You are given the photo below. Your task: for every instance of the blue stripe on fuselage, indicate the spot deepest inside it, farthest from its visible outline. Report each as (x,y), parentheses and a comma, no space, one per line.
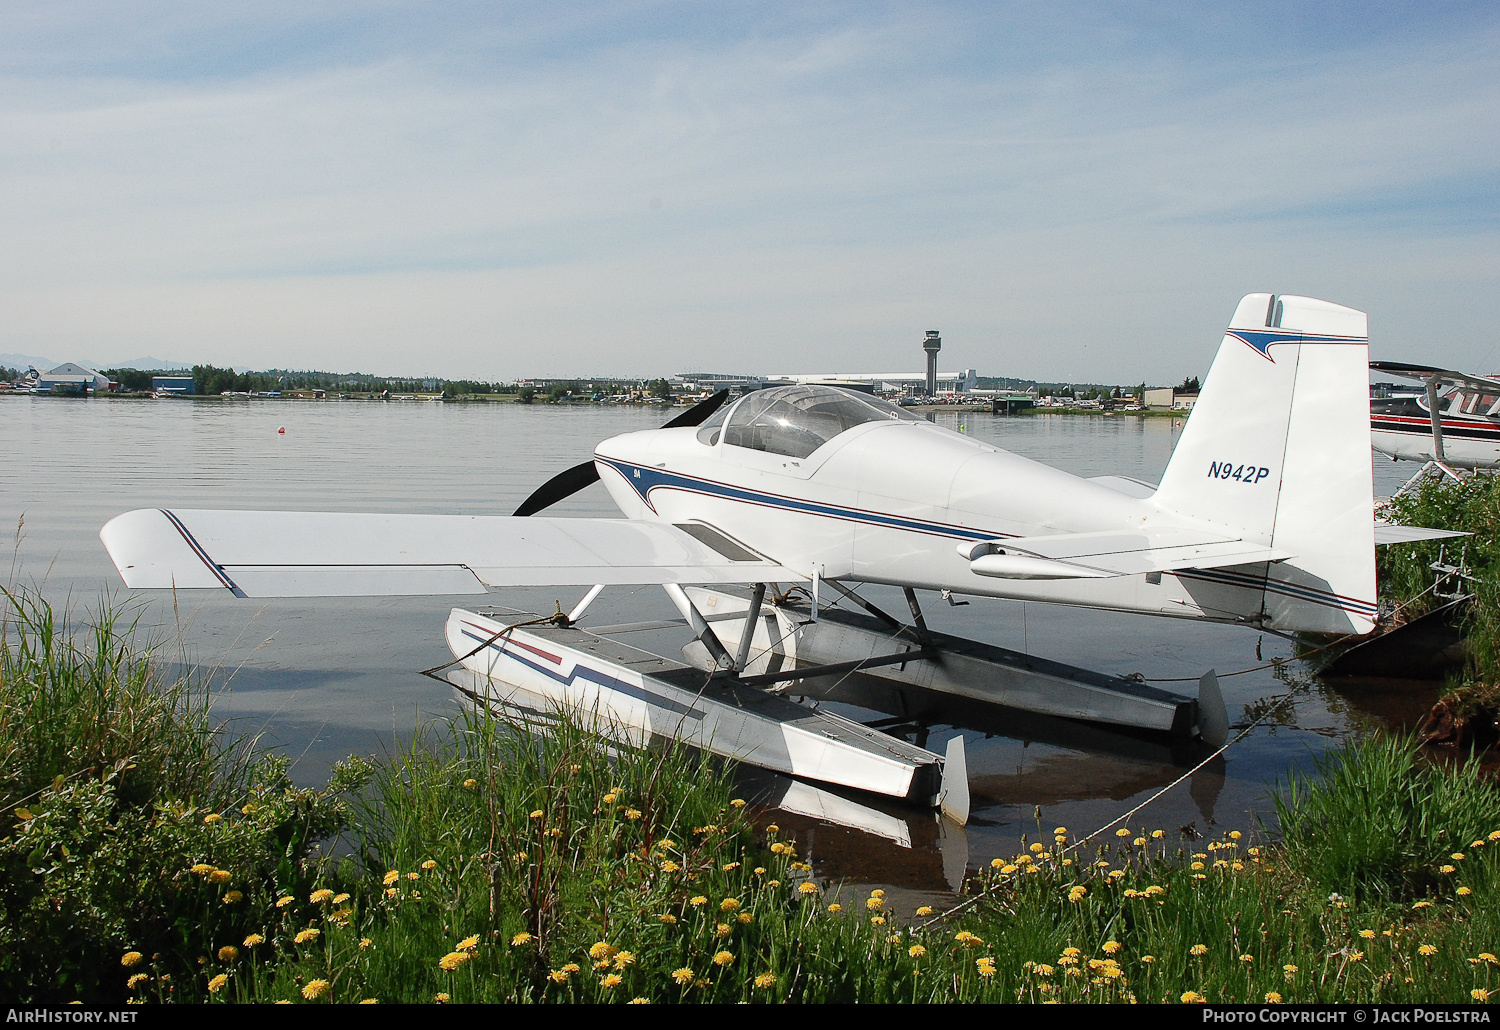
(644,479)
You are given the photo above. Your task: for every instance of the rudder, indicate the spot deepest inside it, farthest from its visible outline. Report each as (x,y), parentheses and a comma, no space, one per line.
(1278,449)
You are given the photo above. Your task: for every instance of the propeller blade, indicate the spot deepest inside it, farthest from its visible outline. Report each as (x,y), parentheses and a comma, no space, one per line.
(569,482)
(564,484)
(699,413)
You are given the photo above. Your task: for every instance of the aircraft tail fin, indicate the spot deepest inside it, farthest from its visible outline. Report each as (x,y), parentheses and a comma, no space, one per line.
(1277,449)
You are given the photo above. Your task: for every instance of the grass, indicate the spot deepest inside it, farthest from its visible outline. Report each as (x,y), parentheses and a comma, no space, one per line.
(489,861)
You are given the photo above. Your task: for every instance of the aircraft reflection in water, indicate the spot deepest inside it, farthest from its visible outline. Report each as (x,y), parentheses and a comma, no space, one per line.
(1263,518)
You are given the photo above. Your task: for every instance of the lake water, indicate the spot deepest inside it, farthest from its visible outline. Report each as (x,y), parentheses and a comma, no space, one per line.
(328,677)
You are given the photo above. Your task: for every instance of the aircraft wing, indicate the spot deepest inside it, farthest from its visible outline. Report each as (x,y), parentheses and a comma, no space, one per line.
(1442,375)
(1113,553)
(327,554)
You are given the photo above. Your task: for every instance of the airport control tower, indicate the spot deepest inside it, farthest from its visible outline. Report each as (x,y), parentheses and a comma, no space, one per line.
(932,344)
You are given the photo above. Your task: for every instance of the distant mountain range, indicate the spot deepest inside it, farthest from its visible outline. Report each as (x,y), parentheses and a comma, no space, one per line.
(146,364)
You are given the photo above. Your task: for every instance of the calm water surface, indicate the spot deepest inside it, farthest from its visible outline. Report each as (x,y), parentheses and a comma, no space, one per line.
(324,678)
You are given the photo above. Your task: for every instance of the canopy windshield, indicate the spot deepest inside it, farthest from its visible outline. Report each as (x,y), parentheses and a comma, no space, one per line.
(797,420)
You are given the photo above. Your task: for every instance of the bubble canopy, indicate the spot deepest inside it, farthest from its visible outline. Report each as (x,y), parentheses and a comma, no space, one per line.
(797,420)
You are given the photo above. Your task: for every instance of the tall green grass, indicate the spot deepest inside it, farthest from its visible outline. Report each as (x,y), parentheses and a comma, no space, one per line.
(1469,505)
(499,860)
(1378,821)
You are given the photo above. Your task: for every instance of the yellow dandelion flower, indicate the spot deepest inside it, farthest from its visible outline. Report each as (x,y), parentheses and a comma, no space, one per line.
(253,940)
(1480,994)
(1485,956)
(877,920)
(231,897)
(1193,998)
(609,799)
(1148,959)
(1197,867)
(365,942)
(698,901)
(522,858)
(667,918)
(369,1001)
(136,980)
(217,983)
(745,917)
(835,907)
(723,930)
(310,934)
(441,997)
(723,958)
(1422,904)
(1139,842)
(1447,869)
(1113,947)
(765,980)
(602,950)
(429,864)
(738,803)
(1272,998)
(315,989)
(516,941)
(131,958)
(1247,958)
(1007,870)
(1198,949)
(632,813)
(759,870)
(874,904)
(202,869)
(1158,834)
(1289,970)
(559,976)
(453,960)
(1463,892)
(228,953)
(220,876)
(925,910)
(413,876)
(320,896)
(669,866)
(986,966)
(213,817)
(967,939)
(728,905)
(624,959)
(1356,956)
(1457,856)
(390,877)
(470,783)
(1071,952)
(640,1001)
(1495,835)
(1427,951)
(916,951)
(805,887)
(683,976)
(1043,969)
(1122,832)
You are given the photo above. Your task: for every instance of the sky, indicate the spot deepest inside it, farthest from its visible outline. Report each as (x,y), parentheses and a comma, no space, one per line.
(1067,192)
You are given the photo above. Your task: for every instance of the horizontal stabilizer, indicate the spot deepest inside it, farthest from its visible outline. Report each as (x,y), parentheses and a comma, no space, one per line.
(328,554)
(1114,553)
(1385,533)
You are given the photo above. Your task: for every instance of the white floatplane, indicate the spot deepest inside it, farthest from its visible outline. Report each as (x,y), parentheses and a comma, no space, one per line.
(1458,426)
(1264,517)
